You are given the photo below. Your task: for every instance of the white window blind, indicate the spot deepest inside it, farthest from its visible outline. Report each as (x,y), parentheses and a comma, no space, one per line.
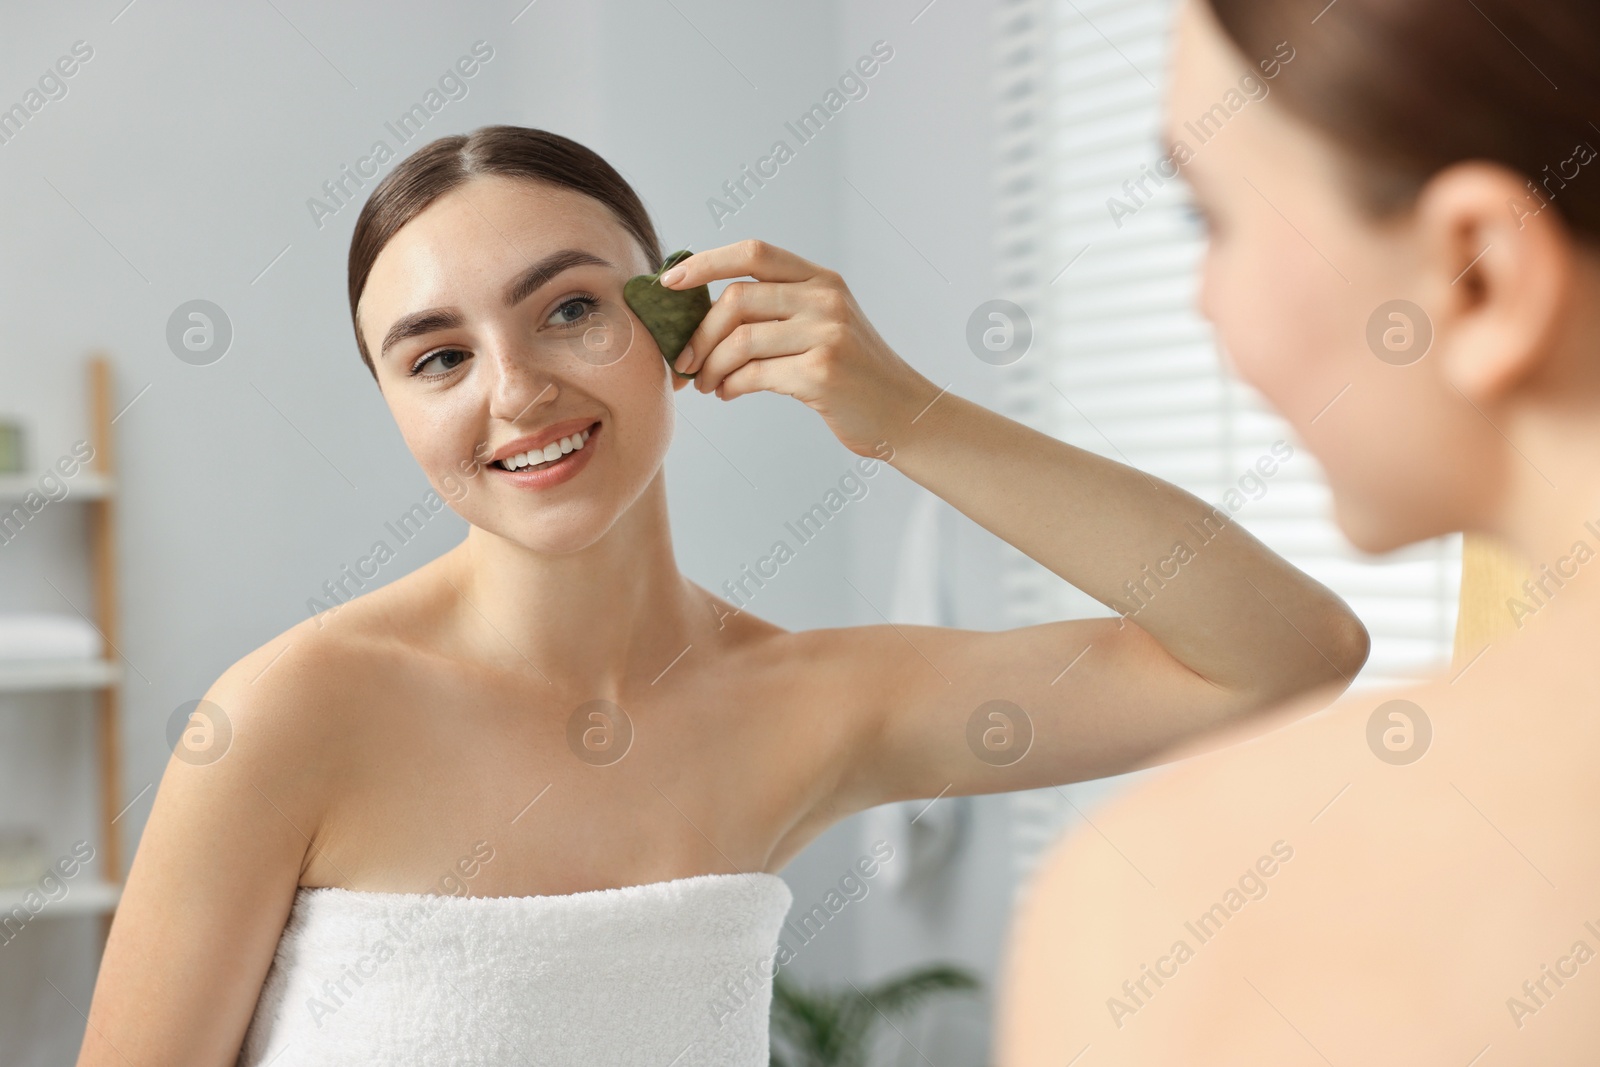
(1122,364)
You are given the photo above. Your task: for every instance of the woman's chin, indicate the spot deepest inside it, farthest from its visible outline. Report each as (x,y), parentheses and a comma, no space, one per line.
(544,544)
(552,532)
(1371,529)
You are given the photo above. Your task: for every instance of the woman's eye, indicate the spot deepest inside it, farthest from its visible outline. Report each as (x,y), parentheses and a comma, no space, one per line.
(580,306)
(449,359)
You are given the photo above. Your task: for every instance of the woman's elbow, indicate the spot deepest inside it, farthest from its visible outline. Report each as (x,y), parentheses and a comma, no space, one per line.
(1339,655)
(1352,643)
(1332,656)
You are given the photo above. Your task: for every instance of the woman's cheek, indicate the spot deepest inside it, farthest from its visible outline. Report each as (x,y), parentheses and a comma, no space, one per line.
(1274,303)
(437,437)
(1239,308)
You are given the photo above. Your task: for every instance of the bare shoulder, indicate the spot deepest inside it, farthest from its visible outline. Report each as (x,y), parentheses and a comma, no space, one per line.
(294,710)
(293,687)
(762,647)
(1107,902)
(229,833)
(1219,801)
(819,693)
(857,669)
(1336,860)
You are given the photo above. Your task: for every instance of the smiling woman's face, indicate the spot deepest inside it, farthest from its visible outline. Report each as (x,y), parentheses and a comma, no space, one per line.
(503,354)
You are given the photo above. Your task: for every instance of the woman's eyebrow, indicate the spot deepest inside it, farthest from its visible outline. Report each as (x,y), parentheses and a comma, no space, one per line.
(531,280)
(540,273)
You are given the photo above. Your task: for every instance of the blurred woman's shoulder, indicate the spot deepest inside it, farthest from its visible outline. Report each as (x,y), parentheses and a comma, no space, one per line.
(1381,859)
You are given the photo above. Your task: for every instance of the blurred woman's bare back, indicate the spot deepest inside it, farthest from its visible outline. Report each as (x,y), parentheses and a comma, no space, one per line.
(1430,907)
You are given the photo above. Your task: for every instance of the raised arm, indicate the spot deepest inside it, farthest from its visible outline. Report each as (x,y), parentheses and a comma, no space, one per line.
(1223,627)
(1215,599)
(1234,630)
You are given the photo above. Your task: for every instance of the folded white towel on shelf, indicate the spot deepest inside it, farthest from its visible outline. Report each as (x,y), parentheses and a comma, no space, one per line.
(46,636)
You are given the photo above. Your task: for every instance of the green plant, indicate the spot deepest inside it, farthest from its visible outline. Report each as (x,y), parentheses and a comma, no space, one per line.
(833,1027)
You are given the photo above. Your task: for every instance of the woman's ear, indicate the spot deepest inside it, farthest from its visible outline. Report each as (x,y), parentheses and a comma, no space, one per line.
(1500,269)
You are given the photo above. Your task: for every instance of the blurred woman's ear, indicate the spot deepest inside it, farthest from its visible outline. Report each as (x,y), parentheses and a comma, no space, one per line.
(1499,274)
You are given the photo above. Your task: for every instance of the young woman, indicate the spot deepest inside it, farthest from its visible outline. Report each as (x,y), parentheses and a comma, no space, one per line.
(1411,877)
(524,803)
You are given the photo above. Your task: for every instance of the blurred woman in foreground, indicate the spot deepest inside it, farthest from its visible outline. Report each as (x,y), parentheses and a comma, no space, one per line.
(1403,260)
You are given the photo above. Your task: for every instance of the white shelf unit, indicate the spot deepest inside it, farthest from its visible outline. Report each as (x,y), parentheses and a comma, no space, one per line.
(94,490)
(57,675)
(87,898)
(88,485)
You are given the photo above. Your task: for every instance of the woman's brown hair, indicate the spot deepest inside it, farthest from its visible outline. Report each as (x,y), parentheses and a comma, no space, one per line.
(513,151)
(1408,87)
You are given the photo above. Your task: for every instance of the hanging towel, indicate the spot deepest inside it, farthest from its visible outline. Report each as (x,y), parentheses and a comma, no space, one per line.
(921,597)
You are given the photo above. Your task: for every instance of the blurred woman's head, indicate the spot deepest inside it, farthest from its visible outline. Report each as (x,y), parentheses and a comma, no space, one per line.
(1403,254)
(485,285)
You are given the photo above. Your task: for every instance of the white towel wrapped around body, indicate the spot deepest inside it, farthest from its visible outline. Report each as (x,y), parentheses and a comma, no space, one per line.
(664,974)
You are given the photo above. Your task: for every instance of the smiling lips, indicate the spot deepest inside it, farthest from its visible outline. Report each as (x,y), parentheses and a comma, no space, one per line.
(537,458)
(558,461)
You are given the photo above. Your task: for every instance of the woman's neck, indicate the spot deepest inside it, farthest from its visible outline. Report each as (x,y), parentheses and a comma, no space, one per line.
(1545,507)
(605,618)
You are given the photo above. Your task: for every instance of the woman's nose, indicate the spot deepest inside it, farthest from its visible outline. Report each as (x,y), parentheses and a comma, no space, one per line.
(520,382)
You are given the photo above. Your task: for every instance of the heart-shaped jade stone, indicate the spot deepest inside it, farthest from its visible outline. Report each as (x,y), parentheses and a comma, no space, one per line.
(670,315)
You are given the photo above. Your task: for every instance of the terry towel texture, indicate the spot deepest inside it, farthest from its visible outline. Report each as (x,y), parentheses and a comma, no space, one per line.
(665,974)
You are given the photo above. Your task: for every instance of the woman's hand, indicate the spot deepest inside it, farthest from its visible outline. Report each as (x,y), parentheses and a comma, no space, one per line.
(797,330)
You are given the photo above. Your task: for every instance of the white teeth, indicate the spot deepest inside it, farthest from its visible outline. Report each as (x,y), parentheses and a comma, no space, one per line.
(551,451)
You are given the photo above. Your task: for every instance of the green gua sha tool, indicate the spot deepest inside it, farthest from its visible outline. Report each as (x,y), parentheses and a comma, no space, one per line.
(670,315)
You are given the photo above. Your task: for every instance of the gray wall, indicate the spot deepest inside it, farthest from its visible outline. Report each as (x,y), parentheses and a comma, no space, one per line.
(178,166)
(916,217)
